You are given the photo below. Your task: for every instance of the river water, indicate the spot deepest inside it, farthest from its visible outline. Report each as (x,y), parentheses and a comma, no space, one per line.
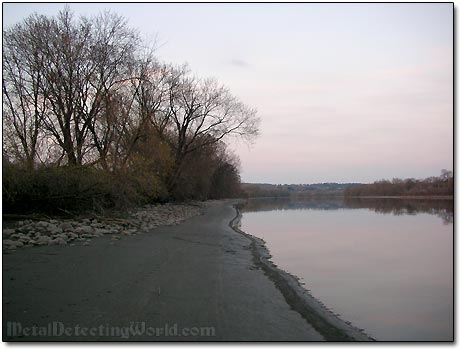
(385,265)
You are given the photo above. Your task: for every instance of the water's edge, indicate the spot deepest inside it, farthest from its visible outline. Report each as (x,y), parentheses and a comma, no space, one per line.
(328,324)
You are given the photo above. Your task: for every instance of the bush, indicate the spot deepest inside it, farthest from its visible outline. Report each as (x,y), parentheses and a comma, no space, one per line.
(60,190)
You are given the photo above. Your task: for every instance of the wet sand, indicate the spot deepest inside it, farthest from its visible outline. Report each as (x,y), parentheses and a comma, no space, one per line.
(197,281)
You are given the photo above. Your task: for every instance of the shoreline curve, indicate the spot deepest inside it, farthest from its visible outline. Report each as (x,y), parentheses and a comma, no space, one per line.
(328,324)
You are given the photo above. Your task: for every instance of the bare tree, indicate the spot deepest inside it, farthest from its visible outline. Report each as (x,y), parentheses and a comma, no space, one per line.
(200,113)
(24,94)
(64,71)
(63,44)
(86,91)
(113,54)
(144,95)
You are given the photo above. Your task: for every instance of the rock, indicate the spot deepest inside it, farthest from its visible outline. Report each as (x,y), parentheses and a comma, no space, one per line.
(66,226)
(43,224)
(71,236)
(54,230)
(24,222)
(86,243)
(57,241)
(12,244)
(24,239)
(28,228)
(62,236)
(84,230)
(42,240)
(7,232)
(97,233)
(103,231)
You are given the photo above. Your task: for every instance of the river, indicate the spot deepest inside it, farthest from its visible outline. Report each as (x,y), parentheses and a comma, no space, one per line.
(386,265)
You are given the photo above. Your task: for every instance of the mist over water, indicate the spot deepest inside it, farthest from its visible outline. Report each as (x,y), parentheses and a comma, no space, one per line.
(385,265)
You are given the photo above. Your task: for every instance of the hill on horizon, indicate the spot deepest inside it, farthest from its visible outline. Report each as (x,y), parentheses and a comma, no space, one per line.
(266,189)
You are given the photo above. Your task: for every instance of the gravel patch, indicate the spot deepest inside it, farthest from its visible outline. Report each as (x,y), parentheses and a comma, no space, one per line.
(29,233)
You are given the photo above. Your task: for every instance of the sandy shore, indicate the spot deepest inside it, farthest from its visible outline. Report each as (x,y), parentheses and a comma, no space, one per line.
(200,280)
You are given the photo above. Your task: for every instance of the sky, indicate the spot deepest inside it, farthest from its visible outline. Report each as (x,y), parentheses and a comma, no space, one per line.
(345,92)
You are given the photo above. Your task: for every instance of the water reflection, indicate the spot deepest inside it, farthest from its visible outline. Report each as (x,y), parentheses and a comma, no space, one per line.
(442,208)
(384,264)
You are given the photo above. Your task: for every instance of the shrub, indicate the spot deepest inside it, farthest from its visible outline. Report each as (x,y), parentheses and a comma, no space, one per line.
(60,190)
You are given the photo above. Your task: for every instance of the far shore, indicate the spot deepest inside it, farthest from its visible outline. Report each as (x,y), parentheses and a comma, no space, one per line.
(414,197)
(325,196)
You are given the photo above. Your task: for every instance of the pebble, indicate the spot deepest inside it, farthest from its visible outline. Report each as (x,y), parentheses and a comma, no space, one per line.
(7,232)
(66,226)
(58,241)
(12,243)
(88,230)
(54,232)
(43,240)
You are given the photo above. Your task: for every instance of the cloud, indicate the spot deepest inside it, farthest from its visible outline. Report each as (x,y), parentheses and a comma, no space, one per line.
(239,63)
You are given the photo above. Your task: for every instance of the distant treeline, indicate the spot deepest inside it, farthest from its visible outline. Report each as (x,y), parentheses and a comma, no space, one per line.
(431,186)
(400,206)
(254,190)
(92,119)
(321,202)
(443,208)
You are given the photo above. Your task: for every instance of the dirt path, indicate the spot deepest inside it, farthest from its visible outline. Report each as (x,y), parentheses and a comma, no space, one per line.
(193,281)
